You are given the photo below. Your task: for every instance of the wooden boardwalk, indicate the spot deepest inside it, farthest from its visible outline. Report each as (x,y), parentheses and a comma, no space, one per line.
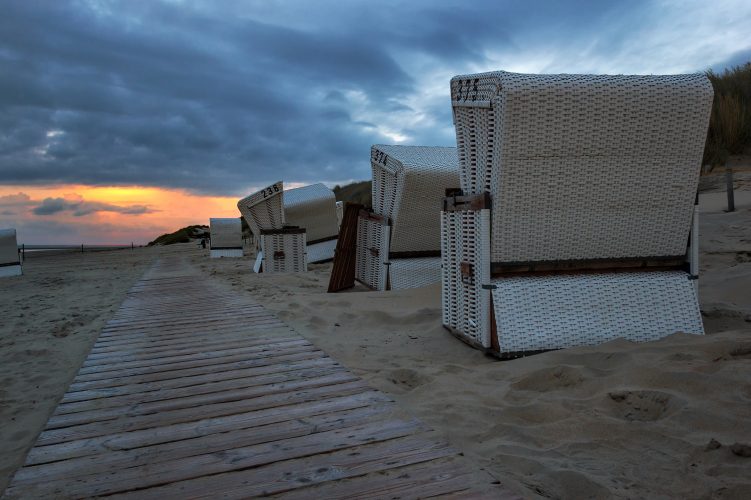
(193,392)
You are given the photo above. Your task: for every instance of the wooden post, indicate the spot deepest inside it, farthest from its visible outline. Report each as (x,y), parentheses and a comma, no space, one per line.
(729,189)
(81,247)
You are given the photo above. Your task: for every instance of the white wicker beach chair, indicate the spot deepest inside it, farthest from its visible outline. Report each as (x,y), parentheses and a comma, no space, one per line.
(578,203)
(398,244)
(10,264)
(294,227)
(226,237)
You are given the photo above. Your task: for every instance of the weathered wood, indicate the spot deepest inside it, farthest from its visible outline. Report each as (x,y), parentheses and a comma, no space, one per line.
(102,445)
(345,255)
(173,402)
(196,380)
(238,436)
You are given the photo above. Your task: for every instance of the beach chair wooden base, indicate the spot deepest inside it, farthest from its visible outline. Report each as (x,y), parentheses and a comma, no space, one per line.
(218,253)
(283,250)
(528,308)
(7,271)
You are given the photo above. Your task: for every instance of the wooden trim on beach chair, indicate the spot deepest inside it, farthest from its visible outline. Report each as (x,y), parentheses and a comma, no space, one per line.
(666,263)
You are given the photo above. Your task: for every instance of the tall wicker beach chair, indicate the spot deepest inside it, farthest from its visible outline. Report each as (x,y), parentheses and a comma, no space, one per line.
(294,227)
(398,242)
(226,237)
(577,202)
(10,263)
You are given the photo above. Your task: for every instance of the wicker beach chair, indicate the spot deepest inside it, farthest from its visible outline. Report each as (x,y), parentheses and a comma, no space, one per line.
(398,242)
(577,203)
(226,238)
(10,263)
(294,227)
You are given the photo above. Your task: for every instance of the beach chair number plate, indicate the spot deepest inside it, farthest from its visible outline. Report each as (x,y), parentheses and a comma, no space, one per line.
(380,157)
(270,191)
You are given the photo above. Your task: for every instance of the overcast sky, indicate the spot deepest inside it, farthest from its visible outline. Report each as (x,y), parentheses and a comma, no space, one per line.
(218,96)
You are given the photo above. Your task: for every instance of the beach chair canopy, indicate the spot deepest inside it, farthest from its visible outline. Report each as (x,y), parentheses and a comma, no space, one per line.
(8,247)
(409,184)
(264,209)
(313,208)
(226,233)
(583,166)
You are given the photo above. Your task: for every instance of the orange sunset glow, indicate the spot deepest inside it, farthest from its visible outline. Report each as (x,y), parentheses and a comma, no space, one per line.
(100,214)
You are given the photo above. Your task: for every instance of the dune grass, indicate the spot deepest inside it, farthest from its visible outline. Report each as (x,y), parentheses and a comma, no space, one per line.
(730,122)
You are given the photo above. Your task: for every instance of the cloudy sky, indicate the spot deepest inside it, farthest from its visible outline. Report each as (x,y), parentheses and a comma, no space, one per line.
(123,119)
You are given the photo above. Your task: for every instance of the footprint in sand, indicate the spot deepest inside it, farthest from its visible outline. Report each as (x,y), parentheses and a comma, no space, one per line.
(407,379)
(642,405)
(550,379)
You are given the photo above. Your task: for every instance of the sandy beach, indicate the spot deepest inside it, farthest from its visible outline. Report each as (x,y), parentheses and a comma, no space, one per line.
(665,419)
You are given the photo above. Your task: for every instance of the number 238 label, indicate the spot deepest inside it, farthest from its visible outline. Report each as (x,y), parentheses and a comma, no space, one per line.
(271,190)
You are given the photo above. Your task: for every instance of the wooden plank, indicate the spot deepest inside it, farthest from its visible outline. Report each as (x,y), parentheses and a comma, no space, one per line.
(146,351)
(211,360)
(442,476)
(194,400)
(288,475)
(82,431)
(194,380)
(274,361)
(186,431)
(236,437)
(173,359)
(212,386)
(235,458)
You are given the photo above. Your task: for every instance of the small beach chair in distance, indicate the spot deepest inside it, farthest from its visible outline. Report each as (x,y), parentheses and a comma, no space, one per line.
(577,202)
(226,237)
(10,262)
(279,249)
(398,242)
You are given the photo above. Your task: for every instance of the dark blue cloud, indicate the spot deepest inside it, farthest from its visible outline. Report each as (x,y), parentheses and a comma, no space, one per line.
(220,96)
(79,208)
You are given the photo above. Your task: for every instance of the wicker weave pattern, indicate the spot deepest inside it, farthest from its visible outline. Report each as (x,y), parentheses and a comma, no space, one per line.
(226,233)
(578,164)
(284,253)
(550,312)
(414,273)
(466,305)
(314,208)
(372,249)
(8,246)
(264,209)
(409,183)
